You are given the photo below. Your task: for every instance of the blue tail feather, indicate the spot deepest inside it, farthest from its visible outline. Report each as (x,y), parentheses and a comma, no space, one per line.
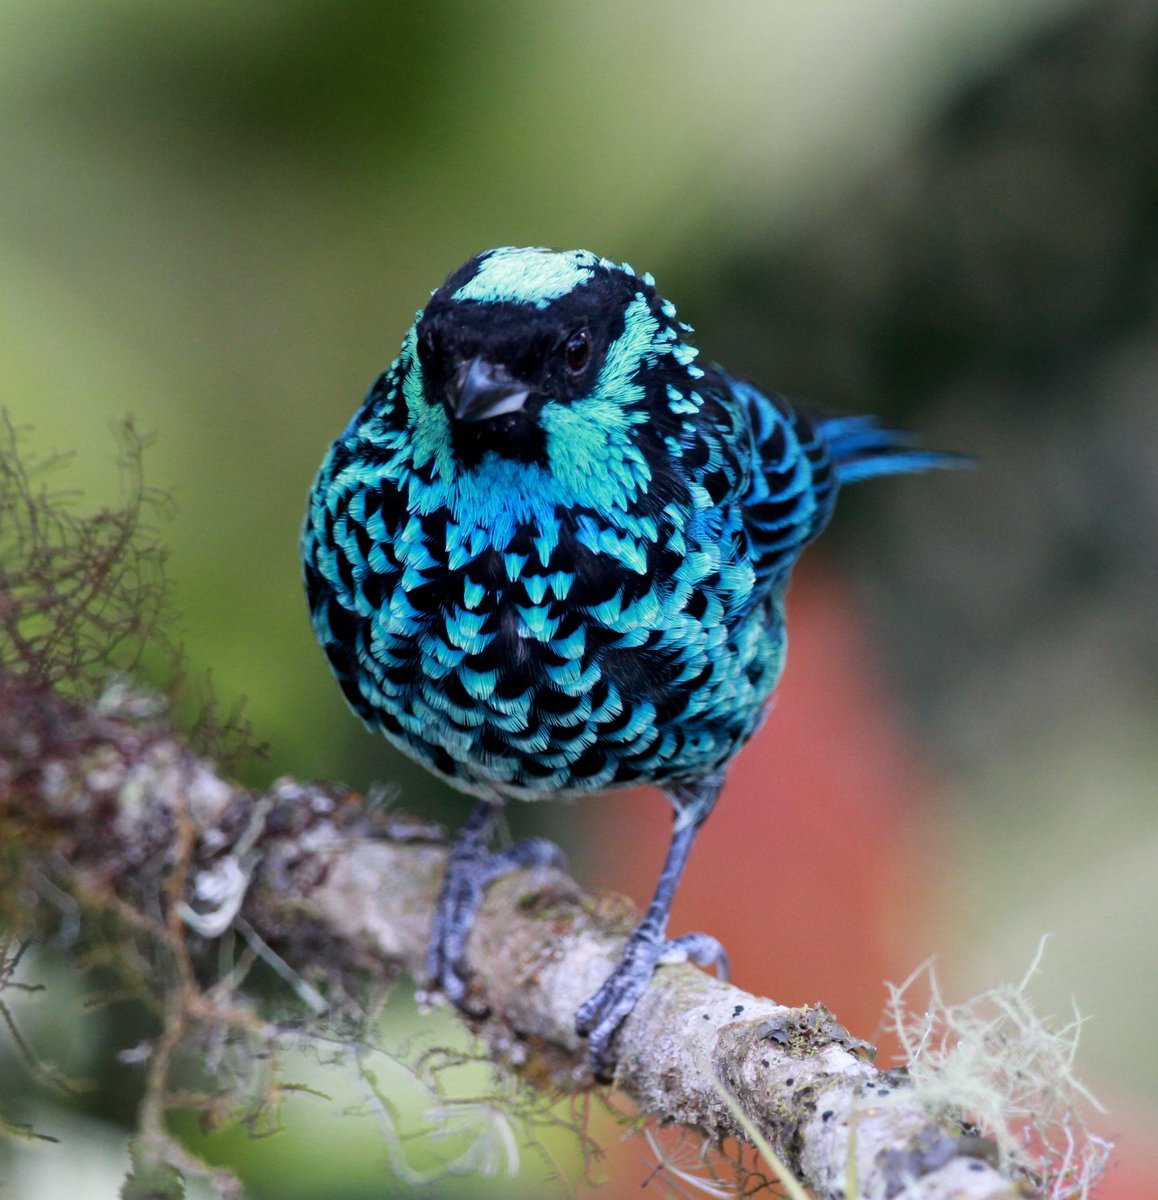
(862,449)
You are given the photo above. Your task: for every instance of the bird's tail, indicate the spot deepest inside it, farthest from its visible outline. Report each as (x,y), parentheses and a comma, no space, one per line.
(861,449)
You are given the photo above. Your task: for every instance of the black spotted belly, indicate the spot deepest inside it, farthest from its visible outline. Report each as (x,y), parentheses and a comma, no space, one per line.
(497,707)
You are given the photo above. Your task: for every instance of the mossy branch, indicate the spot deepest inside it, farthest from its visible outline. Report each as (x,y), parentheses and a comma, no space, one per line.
(121,812)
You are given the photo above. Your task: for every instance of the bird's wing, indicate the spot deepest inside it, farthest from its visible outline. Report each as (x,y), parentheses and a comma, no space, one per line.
(802,459)
(356,512)
(792,489)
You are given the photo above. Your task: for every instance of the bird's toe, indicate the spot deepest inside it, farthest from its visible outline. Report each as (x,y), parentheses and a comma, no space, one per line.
(699,948)
(468,876)
(599,1018)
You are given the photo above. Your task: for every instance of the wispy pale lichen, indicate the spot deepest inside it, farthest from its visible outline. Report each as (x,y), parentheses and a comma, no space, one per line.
(993,1063)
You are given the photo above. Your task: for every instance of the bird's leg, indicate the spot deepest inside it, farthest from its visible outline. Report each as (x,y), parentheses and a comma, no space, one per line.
(599,1018)
(470,868)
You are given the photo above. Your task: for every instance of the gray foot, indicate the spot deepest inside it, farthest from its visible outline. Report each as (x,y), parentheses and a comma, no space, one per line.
(599,1018)
(470,869)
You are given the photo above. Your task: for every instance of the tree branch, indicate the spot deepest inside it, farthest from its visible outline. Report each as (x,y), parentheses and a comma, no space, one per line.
(345,894)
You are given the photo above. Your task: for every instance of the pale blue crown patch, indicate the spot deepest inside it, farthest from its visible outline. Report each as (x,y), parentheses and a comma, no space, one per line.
(528,275)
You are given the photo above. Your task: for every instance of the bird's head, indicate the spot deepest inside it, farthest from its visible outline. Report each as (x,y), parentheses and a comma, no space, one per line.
(536,356)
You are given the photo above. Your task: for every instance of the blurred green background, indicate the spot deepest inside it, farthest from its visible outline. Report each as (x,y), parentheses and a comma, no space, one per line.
(220,218)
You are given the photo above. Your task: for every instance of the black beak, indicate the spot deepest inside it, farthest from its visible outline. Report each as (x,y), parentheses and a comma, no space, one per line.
(482,389)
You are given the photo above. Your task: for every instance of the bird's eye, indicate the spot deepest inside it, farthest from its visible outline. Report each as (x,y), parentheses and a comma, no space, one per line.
(578,350)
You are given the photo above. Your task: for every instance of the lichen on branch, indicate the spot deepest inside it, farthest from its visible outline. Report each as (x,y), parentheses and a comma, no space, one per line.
(344,895)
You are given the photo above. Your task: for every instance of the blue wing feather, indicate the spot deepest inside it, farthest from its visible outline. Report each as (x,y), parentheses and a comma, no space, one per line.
(803,458)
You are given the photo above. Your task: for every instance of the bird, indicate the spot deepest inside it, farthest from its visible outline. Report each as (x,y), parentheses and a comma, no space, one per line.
(548,557)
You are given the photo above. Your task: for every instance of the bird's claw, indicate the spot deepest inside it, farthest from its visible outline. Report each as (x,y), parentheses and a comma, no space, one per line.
(600,1017)
(699,948)
(446,970)
(469,871)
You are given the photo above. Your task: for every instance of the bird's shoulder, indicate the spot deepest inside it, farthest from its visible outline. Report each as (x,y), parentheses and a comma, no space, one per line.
(788,482)
(358,504)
